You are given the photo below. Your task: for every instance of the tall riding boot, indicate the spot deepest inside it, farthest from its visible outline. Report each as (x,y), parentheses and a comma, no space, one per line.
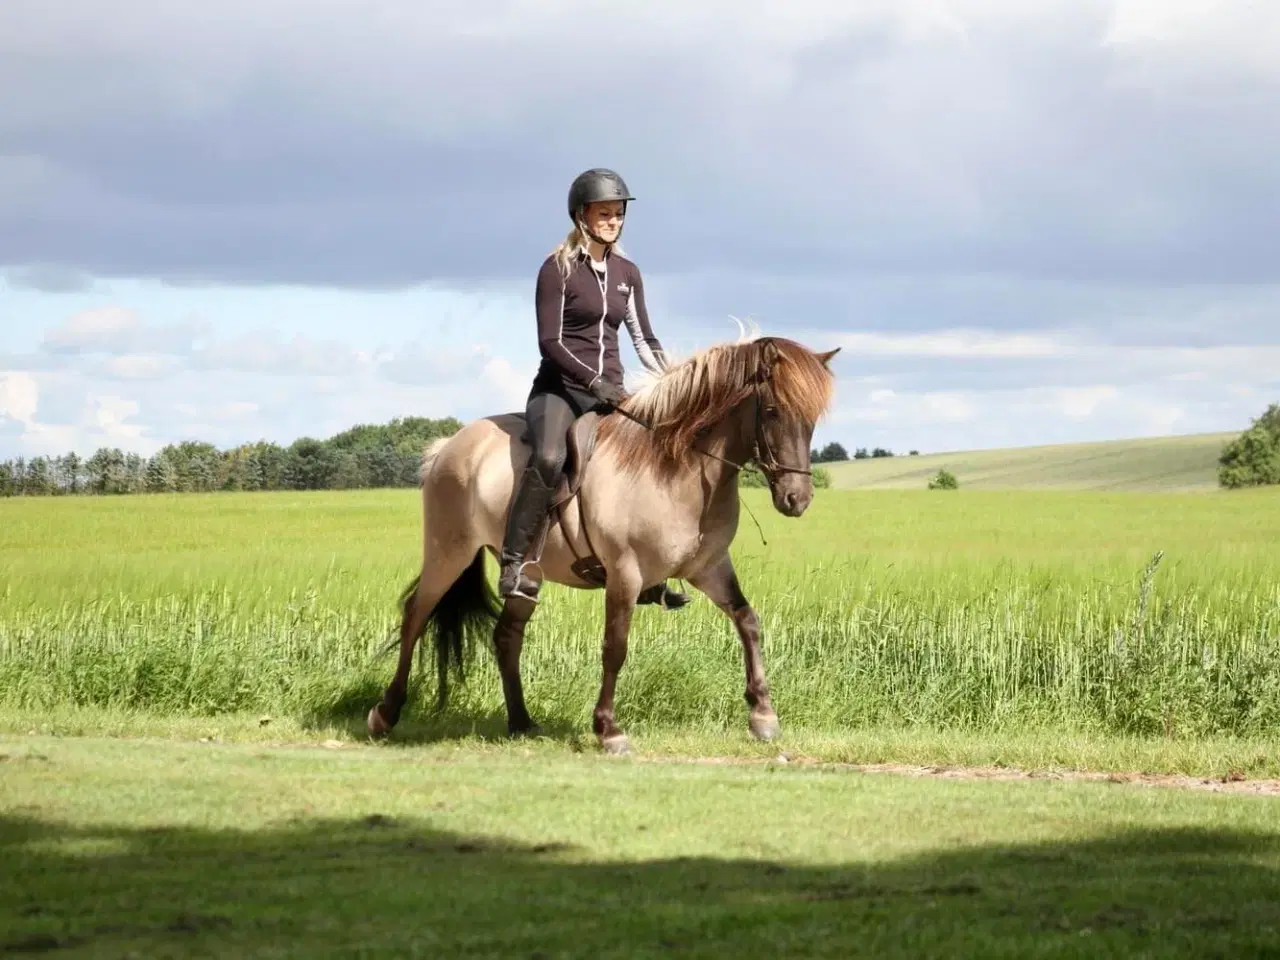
(528,508)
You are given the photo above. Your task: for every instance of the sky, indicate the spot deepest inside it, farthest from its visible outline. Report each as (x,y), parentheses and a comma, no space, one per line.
(1022,223)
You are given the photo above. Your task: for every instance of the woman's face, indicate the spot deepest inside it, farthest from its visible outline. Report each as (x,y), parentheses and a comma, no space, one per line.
(604,219)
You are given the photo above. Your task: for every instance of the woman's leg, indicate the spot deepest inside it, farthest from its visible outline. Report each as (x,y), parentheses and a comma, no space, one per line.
(549,417)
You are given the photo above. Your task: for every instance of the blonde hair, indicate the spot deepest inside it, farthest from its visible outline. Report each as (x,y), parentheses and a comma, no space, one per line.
(576,241)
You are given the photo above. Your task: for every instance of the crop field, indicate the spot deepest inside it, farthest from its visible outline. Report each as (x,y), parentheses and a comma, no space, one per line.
(1117,614)
(1157,464)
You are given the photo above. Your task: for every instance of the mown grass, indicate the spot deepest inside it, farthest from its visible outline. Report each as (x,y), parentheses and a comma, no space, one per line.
(522,850)
(1110,614)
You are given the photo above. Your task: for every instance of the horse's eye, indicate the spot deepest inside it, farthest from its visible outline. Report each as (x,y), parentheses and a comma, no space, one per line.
(770,411)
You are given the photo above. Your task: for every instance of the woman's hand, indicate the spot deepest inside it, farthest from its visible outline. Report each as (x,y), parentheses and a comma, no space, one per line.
(608,394)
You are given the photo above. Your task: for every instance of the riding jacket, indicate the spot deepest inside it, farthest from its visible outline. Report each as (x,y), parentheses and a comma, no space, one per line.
(579,316)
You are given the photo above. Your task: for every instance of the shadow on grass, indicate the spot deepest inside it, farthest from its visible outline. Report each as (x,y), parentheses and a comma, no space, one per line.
(421,723)
(378,885)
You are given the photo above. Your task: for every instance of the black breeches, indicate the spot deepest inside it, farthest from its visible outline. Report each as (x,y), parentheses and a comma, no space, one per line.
(550,415)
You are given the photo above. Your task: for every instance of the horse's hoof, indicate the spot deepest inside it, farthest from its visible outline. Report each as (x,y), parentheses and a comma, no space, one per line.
(764,726)
(378,727)
(616,745)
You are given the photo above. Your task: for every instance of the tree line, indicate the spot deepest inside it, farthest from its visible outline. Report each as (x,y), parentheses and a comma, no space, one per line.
(368,455)
(836,453)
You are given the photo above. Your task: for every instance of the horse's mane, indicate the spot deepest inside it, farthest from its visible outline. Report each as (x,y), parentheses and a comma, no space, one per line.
(699,392)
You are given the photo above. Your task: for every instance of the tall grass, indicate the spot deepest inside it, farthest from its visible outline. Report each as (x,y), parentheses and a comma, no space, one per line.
(1122,613)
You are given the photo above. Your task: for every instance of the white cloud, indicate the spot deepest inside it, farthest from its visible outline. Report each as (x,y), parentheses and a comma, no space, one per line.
(119,330)
(138,367)
(953,343)
(19,396)
(1081,402)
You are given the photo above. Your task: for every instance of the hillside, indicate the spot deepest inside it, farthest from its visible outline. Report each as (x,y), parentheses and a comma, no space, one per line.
(1174,464)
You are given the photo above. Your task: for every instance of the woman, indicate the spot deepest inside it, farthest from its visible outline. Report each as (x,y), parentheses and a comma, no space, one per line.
(586,290)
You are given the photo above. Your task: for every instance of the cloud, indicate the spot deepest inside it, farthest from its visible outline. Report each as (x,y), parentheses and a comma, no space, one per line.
(263,353)
(48,279)
(1122,143)
(955,344)
(19,397)
(118,330)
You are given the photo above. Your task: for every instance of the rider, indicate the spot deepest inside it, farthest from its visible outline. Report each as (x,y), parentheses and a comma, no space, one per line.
(586,290)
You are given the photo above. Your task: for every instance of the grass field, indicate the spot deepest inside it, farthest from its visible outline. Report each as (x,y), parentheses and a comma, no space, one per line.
(184,771)
(894,610)
(1160,464)
(137,848)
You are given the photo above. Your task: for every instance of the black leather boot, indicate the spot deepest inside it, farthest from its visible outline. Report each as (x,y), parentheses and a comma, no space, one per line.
(664,596)
(528,508)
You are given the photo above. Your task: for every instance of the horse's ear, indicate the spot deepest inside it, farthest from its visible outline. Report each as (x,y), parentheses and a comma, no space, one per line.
(769,354)
(826,357)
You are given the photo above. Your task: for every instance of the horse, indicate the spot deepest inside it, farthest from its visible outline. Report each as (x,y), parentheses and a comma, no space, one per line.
(655,484)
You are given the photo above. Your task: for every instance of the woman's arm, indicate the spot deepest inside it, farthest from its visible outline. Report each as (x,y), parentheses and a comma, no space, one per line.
(549,300)
(648,348)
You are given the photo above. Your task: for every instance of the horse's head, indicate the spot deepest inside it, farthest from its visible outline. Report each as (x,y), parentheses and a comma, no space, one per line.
(792,390)
(754,400)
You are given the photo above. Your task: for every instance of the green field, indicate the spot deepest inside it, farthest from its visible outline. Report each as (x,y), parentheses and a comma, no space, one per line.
(973,611)
(1159,464)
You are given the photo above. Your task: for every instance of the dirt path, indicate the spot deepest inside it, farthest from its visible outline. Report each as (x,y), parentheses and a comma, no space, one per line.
(1228,784)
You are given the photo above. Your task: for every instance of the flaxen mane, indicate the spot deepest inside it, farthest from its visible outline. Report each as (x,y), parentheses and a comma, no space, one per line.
(698,393)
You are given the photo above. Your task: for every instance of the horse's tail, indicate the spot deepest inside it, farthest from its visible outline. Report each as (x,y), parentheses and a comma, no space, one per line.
(467,607)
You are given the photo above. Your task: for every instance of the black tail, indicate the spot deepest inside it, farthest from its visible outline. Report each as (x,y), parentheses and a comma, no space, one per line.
(469,605)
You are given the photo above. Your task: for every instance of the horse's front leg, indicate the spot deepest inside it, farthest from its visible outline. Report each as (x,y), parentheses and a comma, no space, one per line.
(720,584)
(619,604)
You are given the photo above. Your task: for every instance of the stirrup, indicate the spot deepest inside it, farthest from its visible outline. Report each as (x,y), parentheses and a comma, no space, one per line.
(524,588)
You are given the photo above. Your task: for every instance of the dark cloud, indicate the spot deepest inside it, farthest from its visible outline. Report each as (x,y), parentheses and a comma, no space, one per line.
(46,278)
(427,143)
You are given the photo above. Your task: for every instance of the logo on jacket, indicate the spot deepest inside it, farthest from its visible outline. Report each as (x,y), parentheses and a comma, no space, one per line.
(624,289)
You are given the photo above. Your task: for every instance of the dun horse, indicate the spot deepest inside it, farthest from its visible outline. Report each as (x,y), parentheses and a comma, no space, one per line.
(649,493)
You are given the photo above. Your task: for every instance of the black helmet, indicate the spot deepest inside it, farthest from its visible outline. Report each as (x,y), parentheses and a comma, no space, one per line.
(594,186)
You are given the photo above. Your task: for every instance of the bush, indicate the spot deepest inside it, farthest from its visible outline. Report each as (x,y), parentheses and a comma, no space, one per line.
(1253,458)
(944,480)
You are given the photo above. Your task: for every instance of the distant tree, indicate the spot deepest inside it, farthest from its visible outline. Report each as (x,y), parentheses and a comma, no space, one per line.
(162,476)
(1253,458)
(8,485)
(861,454)
(914,453)
(881,452)
(69,470)
(831,453)
(944,480)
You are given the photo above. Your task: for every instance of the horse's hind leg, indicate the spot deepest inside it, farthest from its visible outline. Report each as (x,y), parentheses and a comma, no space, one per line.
(720,584)
(434,581)
(508,642)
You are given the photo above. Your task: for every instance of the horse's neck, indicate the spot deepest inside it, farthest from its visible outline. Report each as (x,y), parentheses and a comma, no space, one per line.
(730,439)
